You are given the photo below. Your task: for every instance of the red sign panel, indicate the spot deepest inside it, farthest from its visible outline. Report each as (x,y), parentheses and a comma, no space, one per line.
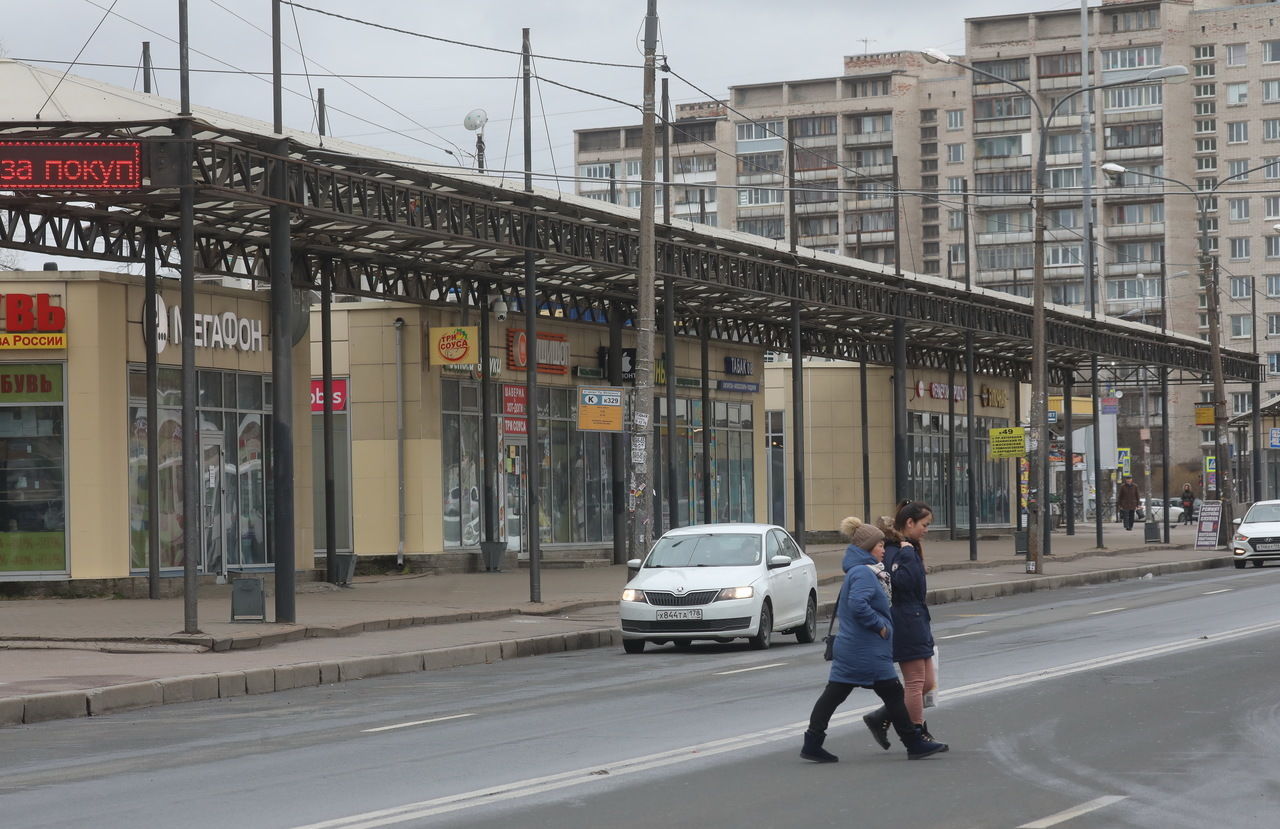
(339,395)
(70,165)
(552,352)
(33,312)
(515,410)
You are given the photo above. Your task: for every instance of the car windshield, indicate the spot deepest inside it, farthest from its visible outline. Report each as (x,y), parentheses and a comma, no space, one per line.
(1263,512)
(711,550)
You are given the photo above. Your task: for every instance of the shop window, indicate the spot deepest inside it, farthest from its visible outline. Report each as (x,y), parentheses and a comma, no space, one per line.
(33,502)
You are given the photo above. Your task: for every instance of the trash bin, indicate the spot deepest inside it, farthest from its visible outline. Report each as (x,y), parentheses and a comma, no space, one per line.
(1020,542)
(491,555)
(346,567)
(248,602)
(1151,533)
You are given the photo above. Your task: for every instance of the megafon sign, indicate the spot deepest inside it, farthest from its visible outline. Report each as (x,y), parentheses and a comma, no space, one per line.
(226,331)
(33,321)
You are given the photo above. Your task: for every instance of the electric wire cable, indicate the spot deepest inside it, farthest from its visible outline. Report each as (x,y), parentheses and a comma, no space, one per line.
(70,66)
(319,75)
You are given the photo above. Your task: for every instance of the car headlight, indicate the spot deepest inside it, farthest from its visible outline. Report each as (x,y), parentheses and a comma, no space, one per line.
(735,593)
(632,595)
(1240,537)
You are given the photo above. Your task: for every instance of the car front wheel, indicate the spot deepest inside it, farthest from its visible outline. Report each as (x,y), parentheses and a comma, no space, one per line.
(1240,565)
(764,634)
(808,632)
(633,645)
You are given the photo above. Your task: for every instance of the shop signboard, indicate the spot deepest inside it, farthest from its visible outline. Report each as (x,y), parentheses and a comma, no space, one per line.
(738,386)
(628,363)
(33,321)
(1007,442)
(552,352)
(1209,517)
(739,366)
(1110,405)
(454,345)
(339,395)
(227,330)
(600,409)
(1204,414)
(515,411)
(30,383)
(1275,439)
(70,165)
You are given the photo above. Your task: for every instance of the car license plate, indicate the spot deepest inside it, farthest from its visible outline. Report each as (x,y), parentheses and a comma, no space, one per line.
(1266,547)
(679,615)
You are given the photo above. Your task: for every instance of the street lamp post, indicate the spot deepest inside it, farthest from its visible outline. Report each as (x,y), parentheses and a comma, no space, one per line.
(1037,517)
(1209,276)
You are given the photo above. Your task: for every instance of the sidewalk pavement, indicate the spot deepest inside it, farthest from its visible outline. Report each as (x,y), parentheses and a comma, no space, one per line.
(85,657)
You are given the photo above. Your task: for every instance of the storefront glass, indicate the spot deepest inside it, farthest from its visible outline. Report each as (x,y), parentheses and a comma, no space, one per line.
(234,430)
(929,453)
(33,509)
(732,462)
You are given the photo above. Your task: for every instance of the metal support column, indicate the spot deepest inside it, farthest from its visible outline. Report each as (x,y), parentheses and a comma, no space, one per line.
(534,464)
(797,423)
(669,326)
(617,442)
(1017,486)
(331,574)
(150,326)
(1097,453)
(900,469)
(494,540)
(704,346)
(187,318)
(1068,453)
(1164,447)
(866,436)
(952,518)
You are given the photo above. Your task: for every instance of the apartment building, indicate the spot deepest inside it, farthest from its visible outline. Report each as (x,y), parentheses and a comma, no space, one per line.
(949,130)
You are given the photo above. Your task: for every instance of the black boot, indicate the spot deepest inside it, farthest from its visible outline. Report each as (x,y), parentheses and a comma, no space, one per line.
(924,732)
(918,747)
(813,749)
(877,723)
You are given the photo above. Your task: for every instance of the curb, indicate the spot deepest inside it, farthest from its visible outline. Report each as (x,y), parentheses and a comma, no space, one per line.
(96,702)
(110,699)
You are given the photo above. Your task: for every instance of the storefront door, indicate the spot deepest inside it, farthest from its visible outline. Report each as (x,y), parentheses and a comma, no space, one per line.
(212,522)
(514,490)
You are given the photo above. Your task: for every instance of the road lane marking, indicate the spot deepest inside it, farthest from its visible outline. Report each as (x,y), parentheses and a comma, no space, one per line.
(1108,610)
(756,668)
(1075,812)
(960,635)
(594,774)
(415,722)
(969,615)
(1212,592)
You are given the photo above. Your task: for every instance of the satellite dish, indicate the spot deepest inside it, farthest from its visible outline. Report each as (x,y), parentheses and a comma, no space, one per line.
(475,120)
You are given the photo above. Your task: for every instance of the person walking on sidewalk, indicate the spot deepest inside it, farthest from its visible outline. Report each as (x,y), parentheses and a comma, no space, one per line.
(1188,504)
(863,653)
(1127,501)
(912,633)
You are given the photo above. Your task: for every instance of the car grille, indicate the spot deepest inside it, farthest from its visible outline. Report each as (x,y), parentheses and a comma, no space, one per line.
(1267,540)
(697,597)
(686,625)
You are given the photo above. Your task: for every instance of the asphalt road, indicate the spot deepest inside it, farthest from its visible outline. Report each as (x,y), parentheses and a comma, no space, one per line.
(1150,703)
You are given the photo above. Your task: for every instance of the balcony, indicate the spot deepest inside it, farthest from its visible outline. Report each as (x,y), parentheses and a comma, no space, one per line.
(1059,82)
(1026,237)
(826,240)
(882,203)
(1004,125)
(1150,304)
(1003,199)
(1011,162)
(1134,153)
(1129,231)
(809,141)
(1133,268)
(808,208)
(873,171)
(869,237)
(816,175)
(761,180)
(701,177)
(864,139)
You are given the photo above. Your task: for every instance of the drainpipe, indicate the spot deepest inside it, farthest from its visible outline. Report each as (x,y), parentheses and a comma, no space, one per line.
(399,326)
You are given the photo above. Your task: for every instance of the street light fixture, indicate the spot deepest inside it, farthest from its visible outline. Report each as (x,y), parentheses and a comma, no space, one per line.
(1209,276)
(1037,518)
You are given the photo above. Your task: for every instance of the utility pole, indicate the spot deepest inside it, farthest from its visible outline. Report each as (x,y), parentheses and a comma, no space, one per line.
(642,421)
(533,465)
(1226,492)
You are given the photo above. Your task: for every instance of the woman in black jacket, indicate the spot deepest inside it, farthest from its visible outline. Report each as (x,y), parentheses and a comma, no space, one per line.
(913,636)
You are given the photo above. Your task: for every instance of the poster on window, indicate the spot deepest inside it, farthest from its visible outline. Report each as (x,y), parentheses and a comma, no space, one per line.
(33,512)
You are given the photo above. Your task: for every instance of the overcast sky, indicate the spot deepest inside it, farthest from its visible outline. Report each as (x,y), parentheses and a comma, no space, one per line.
(713,43)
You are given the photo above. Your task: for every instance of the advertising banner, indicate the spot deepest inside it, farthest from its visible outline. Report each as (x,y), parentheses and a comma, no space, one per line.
(457,345)
(1007,442)
(1207,529)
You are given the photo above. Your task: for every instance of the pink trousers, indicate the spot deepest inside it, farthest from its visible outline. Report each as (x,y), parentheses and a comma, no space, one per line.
(918,677)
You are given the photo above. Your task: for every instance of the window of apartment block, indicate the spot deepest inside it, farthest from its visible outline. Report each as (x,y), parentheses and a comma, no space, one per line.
(1237,93)
(929,232)
(874,222)
(1273,247)
(770,228)
(1273,284)
(955,184)
(1069,104)
(1134,214)
(1058,65)
(816,125)
(1129,252)
(1063,255)
(1239,247)
(603,171)
(1271,129)
(955,254)
(1133,288)
(929,134)
(1273,363)
(817,192)
(955,119)
(758,195)
(1132,21)
(1140,96)
(873,157)
(1237,54)
(867,88)
(1270,51)
(633,168)
(1206,163)
(1237,169)
(1132,57)
(694,164)
(930,148)
(1134,135)
(596,141)
(1004,106)
(1060,178)
(1009,69)
(1241,401)
(867,124)
(1017,181)
(929,214)
(955,220)
(1206,145)
(1241,287)
(1273,324)
(815,158)
(1064,217)
(1005,257)
(693,133)
(759,130)
(932,267)
(1006,222)
(1207,183)
(1206,107)
(1204,90)
(1272,170)
(1271,206)
(928,116)
(1206,125)
(1238,210)
(930,248)
(1204,52)
(1241,325)
(1067,293)
(1000,146)
(1205,70)
(1062,143)
(955,153)
(928,165)
(819,226)
(1237,132)
(929,182)
(757,164)
(1270,91)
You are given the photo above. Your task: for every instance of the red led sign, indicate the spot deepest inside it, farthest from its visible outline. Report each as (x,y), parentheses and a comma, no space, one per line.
(70,165)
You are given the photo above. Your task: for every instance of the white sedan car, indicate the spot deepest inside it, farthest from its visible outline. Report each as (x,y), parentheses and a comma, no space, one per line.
(1257,535)
(720,582)
(1175,511)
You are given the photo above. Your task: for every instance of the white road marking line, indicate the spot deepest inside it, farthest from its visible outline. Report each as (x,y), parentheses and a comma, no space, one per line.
(1108,610)
(1064,816)
(415,722)
(524,788)
(756,668)
(1212,592)
(960,635)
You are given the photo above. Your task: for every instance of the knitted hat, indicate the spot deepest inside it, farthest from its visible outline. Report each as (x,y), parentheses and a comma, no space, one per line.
(863,536)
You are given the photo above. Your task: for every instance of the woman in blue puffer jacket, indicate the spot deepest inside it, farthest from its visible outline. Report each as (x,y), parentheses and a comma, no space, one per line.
(863,647)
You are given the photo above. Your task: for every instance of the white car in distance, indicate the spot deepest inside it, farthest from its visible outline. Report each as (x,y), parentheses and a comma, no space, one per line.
(720,582)
(1257,535)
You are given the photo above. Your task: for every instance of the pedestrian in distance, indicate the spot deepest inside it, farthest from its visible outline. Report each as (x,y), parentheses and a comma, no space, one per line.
(912,633)
(1127,501)
(863,652)
(1188,504)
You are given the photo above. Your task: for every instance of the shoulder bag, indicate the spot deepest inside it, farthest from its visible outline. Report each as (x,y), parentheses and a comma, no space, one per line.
(829,641)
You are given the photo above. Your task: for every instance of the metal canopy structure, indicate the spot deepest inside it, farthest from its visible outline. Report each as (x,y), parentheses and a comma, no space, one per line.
(392,227)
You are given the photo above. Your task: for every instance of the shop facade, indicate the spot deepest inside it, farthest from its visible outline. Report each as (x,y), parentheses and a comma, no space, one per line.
(845,463)
(442,442)
(73,430)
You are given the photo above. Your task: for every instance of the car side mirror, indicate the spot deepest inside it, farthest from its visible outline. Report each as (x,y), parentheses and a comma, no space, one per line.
(1237,521)
(779,561)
